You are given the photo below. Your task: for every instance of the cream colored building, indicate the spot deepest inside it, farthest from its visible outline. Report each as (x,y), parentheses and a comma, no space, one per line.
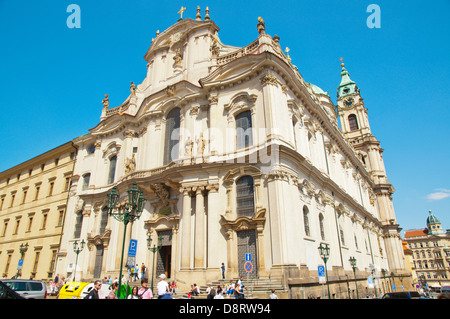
(430,252)
(236,153)
(33,199)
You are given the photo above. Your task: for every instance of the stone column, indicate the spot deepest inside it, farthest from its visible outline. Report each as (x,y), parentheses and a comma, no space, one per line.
(186,233)
(213,227)
(199,245)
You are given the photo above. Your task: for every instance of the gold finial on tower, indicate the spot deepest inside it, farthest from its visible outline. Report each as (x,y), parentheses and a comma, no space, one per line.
(207,14)
(261,26)
(198,16)
(342,63)
(181,12)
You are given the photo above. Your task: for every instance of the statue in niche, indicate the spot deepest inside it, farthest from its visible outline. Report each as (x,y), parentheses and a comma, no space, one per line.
(177,58)
(130,164)
(201,144)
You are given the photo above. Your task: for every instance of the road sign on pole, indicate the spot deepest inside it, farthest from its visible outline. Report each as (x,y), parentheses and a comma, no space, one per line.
(248,266)
(248,257)
(321,271)
(132,248)
(20,264)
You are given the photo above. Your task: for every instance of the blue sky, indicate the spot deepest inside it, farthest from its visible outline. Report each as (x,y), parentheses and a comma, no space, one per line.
(53,78)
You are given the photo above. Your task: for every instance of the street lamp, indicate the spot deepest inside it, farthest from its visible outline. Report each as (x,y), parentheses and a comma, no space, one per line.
(324,252)
(77,249)
(352,261)
(153,250)
(22,249)
(130,213)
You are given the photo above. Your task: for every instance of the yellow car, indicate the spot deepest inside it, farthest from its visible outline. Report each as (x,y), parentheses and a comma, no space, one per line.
(72,290)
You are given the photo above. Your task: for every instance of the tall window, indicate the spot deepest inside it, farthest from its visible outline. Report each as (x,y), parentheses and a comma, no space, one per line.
(112,169)
(172,136)
(78,224)
(104,220)
(244,129)
(322,228)
(353,122)
(306,220)
(245,201)
(86,178)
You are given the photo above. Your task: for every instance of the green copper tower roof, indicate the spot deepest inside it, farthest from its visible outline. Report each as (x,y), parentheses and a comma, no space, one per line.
(434,225)
(347,86)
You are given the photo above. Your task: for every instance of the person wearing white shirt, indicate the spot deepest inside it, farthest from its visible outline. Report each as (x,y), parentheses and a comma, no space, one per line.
(163,288)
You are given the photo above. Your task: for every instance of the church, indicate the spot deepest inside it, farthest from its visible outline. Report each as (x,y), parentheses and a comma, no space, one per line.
(239,159)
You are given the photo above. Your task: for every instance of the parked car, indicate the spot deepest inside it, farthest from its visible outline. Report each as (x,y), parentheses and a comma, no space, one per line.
(29,289)
(8,293)
(403,295)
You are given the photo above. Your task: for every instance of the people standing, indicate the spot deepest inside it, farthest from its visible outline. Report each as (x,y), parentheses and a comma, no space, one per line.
(93,294)
(223,270)
(145,292)
(143,268)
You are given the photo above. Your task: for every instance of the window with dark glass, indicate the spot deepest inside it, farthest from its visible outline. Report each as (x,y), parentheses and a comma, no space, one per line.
(353,122)
(245,201)
(172,136)
(244,129)
(112,169)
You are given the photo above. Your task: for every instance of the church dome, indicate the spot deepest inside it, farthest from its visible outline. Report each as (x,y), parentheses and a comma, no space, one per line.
(317,90)
(432,219)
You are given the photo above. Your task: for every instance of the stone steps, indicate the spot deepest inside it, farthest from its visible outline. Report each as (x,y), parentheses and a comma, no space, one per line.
(258,288)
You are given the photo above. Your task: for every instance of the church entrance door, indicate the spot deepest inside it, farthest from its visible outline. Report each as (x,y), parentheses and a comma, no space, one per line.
(247,245)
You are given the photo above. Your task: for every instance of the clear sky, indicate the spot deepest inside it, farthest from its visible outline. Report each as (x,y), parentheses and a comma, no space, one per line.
(53,78)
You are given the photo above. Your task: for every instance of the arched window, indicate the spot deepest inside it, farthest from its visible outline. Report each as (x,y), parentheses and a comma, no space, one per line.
(86,178)
(112,169)
(244,129)
(353,122)
(306,220)
(322,228)
(245,201)
(172,136)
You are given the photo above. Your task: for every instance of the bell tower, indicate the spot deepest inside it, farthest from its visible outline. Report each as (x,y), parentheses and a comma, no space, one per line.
(355,126)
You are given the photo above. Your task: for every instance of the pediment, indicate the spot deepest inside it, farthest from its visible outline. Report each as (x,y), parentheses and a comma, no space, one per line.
(176,34)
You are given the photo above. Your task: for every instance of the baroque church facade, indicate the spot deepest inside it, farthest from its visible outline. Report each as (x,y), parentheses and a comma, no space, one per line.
(235,153)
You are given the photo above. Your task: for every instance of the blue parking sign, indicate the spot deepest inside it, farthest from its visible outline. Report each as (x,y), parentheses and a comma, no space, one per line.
(248,257)
(133,247)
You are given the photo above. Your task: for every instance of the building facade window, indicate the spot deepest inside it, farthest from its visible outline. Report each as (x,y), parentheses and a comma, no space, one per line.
(322,227)
(112,169)
(172,136)
(244,135)
(306,221)
(245,199)
(353,122)
(86,179)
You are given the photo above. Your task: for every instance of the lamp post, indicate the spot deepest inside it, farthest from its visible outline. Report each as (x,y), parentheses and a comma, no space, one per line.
(153,250)
(324,251)
(352,261)
(77,249)
(130,213)
(22,249)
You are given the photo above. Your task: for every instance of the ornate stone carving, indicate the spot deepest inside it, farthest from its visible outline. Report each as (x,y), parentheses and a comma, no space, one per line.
(269,79)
